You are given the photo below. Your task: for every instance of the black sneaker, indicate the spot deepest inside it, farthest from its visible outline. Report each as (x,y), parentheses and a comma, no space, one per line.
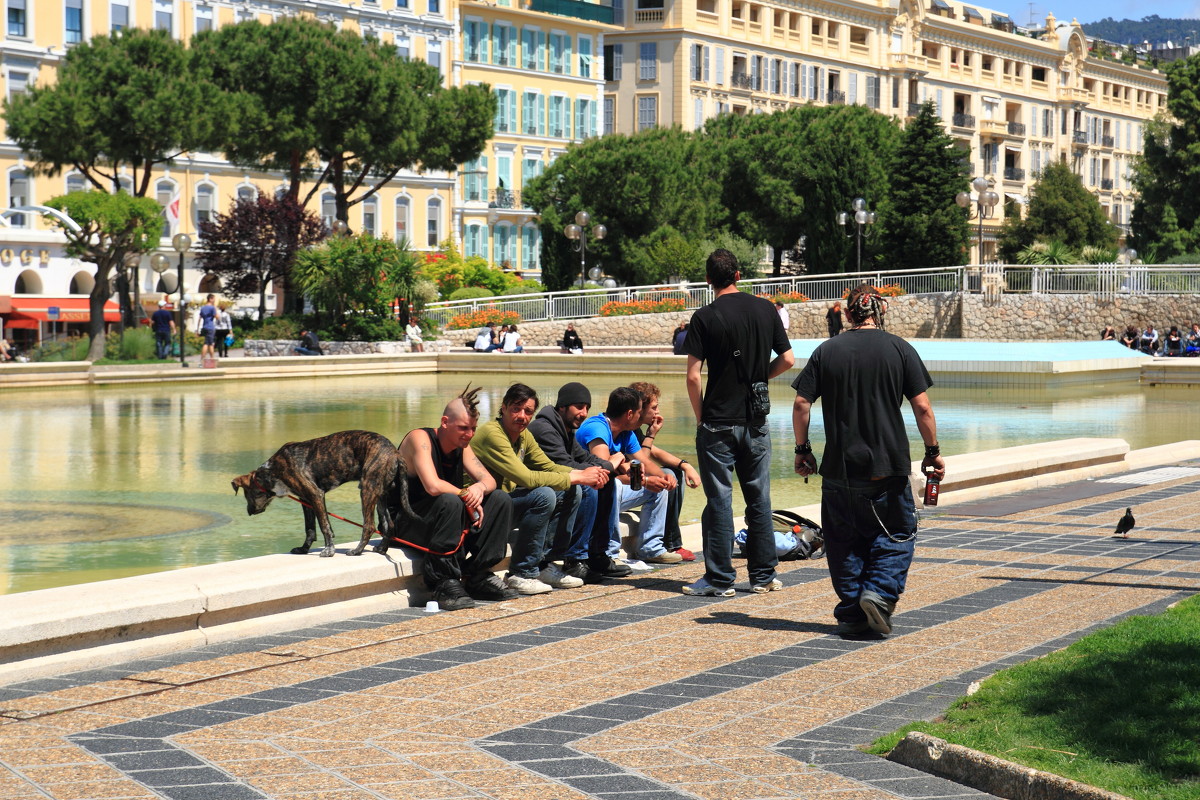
(490,587)
(451,596)
(845,628)
(576,569)
(878,611)
(608,568)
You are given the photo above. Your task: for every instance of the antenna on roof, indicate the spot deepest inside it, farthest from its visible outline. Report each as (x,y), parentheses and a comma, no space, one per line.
(1031,14)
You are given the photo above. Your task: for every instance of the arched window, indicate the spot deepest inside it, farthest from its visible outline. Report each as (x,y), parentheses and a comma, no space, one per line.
(126,184)
(370,216)
(210,284)
(433,222)
(206,203)
(164,193)
(328,209)
(77,183)
(403,218)
(82,283)
(475,242)
(531,247)
(504,248)
(28,282)
(245,192)
(18,195)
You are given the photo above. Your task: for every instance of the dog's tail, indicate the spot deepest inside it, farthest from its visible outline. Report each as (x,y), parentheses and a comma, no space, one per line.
(400,487)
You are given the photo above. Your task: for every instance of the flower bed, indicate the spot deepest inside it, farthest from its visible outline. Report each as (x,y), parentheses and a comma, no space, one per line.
(628,309)
(786,297)
(887,290)
(481,317)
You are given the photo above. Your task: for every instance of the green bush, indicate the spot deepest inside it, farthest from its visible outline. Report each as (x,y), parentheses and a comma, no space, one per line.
(135,344)
(470,293)
(525,287)
(286,327)
(1184,258)
(364,328)
(65,350)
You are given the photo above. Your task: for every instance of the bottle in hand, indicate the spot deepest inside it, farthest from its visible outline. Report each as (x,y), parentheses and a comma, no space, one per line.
(932,486)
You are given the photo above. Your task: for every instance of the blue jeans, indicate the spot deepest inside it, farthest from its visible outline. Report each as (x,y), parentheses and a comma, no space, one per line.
(162,344)
(648,538)
(573,534)
(861,522)
(721,451)
(533,509)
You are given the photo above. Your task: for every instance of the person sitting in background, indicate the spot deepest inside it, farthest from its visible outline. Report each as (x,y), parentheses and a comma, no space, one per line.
(677,339)
(1173,346)
(310,345)
(1129,338)
(485,340)
(1109,334)
(1148,341)
(1193,340)
(412,333)
(676,467)
(512,341)
(571,343)
(7,351)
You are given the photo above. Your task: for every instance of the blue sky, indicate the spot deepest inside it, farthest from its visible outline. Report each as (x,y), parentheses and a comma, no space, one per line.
(1095,10)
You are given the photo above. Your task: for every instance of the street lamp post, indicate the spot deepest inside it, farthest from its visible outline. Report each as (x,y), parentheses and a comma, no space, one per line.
(861,218)
(181,242)
(577,232)
(985,203)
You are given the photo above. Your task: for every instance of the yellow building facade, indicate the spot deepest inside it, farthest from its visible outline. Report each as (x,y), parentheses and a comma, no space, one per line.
(1015,101)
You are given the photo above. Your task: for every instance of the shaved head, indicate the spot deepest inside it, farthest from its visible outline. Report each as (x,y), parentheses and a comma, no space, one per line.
(456,410)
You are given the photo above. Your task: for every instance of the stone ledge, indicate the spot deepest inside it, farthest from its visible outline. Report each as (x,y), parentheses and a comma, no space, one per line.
(989,773)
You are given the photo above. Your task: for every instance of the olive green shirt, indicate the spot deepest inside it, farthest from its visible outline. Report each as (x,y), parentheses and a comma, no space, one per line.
(519,465)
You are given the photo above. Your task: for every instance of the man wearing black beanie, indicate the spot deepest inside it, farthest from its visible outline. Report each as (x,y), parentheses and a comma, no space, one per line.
(554,429)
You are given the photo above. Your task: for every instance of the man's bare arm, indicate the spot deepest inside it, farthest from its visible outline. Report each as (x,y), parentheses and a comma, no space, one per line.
(418,455)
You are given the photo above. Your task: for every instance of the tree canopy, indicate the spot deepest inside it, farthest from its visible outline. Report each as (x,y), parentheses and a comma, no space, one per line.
(1060,210)
(356,276)
(111,226)
(925,227)
(128,101)
(345,111)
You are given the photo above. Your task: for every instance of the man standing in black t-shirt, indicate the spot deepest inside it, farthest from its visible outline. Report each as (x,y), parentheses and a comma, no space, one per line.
(867,511)
(736,334)
(456,567)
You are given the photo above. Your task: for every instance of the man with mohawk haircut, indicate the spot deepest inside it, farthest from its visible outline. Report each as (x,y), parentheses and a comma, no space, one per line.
(454,493)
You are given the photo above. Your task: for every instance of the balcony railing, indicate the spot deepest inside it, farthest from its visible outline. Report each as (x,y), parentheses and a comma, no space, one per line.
(1079,137)
(649,15)
(914,109)
(1016,128)
(505,198)
(963,120)
(1014,174)
(741,80)
(574,8)
(1106,184)
(1107,141)
(834,97)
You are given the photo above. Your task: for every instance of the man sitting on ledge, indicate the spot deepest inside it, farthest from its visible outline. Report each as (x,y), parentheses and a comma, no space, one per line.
(457,568)
(310,345)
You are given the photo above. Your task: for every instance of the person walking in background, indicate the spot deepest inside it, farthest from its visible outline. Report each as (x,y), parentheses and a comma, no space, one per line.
(207,327)
(162,322)
(224,329)
(867,511)
(736,334)
(783,315)
(833,320)
(678,338)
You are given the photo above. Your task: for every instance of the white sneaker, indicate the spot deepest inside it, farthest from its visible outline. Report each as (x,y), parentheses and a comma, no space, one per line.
(527,585)
(637,566)
(553,576)
(702,588)
(774,585)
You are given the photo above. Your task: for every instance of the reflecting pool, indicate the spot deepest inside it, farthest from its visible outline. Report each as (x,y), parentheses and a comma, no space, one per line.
(108,482)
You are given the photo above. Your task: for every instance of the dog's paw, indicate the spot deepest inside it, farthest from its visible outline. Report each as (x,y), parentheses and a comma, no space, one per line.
(355,552)
(380,548)
(299,551)
(327,552)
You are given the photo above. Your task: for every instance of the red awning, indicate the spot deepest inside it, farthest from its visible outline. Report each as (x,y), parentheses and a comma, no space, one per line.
(69,309)
(20,323)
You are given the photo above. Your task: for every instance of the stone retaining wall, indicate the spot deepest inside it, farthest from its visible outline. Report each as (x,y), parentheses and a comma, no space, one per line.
(263,348)
(952,315)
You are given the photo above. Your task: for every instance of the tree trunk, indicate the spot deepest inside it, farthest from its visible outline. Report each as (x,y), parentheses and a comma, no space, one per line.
(777,262)
(96,301)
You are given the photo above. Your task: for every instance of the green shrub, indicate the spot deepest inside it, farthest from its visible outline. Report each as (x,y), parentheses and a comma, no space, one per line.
(470,293)
(137,344)
(287,327)
(65,350)
(364,328)
(1184,258)
(525,287)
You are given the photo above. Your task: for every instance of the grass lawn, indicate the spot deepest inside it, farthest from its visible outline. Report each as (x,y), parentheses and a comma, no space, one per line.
(1119,710)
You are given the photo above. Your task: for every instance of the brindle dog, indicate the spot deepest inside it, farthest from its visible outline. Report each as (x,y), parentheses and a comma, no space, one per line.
(312,468)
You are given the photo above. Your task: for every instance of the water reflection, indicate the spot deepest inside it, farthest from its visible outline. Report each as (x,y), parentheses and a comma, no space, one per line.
(105,482)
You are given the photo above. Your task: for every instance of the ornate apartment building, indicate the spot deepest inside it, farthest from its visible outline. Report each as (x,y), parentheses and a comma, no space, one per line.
(1016,102)
(566,70)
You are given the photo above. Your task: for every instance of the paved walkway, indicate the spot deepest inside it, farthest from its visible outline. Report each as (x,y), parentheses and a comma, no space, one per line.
(627,691)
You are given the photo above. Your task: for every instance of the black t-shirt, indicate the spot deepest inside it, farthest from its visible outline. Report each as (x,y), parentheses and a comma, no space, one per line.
(863,378)
(756,330)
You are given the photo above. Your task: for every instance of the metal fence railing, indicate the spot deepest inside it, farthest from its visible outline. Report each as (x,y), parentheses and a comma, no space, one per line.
(1101,279)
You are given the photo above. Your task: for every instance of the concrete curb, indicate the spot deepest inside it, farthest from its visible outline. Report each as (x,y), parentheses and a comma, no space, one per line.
(988,773)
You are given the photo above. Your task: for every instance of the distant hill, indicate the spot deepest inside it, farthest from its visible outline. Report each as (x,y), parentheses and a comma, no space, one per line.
(1153,29)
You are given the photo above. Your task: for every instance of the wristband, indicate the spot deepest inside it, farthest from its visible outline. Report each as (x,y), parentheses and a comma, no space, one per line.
(682,461)
(933,450)
(804,449)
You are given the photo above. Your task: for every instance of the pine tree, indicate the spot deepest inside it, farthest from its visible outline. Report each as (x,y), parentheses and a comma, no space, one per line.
(926,228)
(1060,210)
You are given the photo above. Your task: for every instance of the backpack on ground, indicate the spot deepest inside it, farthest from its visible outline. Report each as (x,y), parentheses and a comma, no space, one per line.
(796,538)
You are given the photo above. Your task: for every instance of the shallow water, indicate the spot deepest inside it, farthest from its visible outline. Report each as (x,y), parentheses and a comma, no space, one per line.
(108,482)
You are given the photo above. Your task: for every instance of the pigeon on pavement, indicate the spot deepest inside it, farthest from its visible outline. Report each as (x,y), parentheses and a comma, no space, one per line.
(1125,524)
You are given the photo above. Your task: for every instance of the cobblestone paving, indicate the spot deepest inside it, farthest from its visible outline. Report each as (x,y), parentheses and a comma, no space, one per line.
(627,691)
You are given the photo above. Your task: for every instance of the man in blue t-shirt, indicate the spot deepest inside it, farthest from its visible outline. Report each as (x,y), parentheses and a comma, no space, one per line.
(605,435)
(208,327)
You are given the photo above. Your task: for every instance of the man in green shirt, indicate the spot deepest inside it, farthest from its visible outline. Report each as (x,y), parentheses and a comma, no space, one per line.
(538,488)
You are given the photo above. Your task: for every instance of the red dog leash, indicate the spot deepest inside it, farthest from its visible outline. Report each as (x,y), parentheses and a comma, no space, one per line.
(396,539)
